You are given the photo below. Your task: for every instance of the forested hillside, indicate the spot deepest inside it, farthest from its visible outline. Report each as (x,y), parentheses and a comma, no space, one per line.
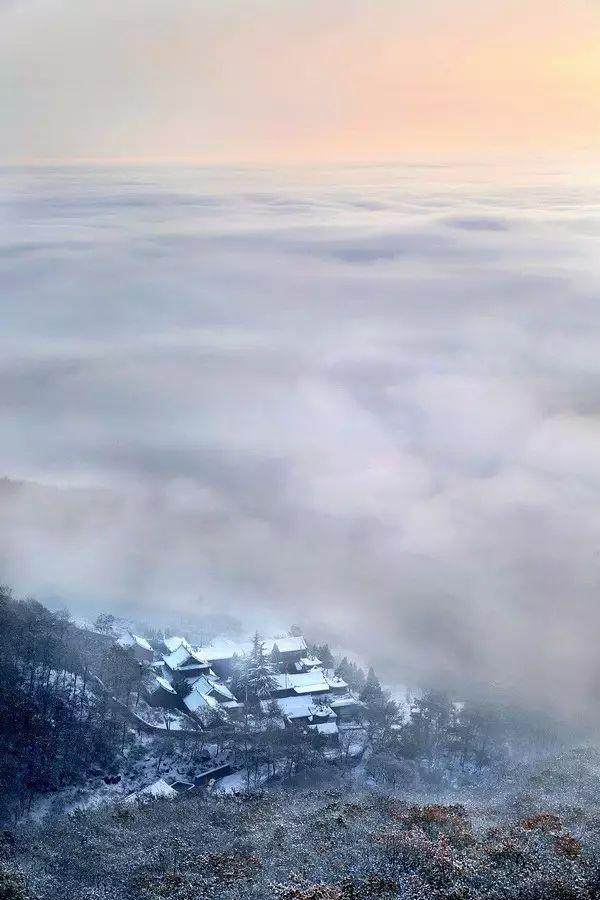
(83,718)
(533,836)
(444,799)
(53,729)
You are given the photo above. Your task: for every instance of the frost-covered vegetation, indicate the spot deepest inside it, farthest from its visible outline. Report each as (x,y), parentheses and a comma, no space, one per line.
(291,773)
(533,836)
(53,728)
(83,717)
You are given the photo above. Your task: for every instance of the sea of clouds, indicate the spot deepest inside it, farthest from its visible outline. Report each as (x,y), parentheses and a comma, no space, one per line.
(366,399)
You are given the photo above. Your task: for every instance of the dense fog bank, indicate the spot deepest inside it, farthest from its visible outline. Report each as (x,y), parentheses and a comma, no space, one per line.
(366,399)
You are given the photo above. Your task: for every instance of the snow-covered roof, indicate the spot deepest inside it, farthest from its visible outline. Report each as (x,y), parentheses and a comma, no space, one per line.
(165,685)
(222,689)
(309,662)
(232,704)
(326,728)
(302,707)
(303,682)
(184,657)
(227,649)
(198,701)
(142,642)
(345,700)
(336,682)
(130,640)
(190,673)
(157,789)
(193,664)
(224,649)
(286,644)
(172,643)
(206,685)
(177,657)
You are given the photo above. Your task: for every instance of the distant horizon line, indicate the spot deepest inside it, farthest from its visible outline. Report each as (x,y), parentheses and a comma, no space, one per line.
(426,162)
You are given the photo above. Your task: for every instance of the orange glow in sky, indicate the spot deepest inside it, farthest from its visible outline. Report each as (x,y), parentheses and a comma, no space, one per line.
(296,80)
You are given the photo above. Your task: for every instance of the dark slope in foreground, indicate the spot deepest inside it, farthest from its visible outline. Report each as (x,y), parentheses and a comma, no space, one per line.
(326,845)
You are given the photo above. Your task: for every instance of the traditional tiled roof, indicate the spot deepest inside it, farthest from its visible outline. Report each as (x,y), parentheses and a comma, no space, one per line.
(199,702)
(184,657)
(164,684)
(131,640)
(172,643)
(227,649)
(303,682)
(302,707)
(344,700)
(207,685)
(326,728)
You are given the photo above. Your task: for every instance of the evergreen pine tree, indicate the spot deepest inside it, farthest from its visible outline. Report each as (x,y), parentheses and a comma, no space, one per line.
(325,655)
(254,674)
(371,693)
(344,671)
(276,658)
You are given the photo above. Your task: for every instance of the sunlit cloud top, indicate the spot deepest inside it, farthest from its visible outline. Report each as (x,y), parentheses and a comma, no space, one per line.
(298,80)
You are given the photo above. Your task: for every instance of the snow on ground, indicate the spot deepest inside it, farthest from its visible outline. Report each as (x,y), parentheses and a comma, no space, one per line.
(231,783)
(82,622)
(171,720)
(159,788)
(238,781)
(146,763)
(404,697)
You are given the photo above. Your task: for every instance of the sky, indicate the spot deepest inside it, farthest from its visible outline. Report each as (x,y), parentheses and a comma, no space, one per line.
(286,81)
(365,399)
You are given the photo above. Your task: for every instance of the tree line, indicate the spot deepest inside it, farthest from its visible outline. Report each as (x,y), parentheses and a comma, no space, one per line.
(56,727)
(53,729)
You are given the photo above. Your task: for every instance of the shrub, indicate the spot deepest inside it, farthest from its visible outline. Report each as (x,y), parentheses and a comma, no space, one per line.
(543,821)
(568,845)
(12,886)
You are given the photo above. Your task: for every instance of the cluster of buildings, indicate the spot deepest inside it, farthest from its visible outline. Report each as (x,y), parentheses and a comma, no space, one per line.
(198,681)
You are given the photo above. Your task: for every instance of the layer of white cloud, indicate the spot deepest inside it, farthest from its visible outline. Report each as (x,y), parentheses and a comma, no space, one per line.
(365,399)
